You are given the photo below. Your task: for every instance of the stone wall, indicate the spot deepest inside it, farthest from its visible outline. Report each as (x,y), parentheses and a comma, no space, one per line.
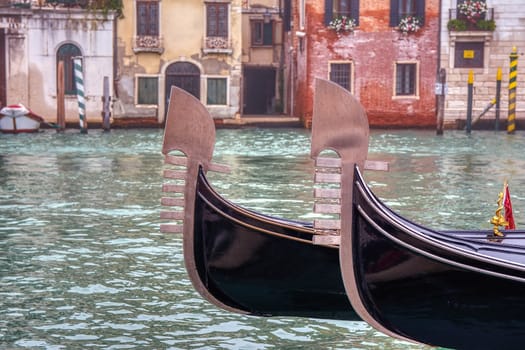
(509,16)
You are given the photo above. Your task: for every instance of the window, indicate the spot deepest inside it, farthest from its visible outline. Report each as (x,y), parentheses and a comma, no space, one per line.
(402,8)
(469,55)
(287,15)
(148,18)
(406,79)
(406,8)
(216,91)
(262,33)
(338,8)
(341,73)
(147,90)
(341,8)
(217,19)
(66,53)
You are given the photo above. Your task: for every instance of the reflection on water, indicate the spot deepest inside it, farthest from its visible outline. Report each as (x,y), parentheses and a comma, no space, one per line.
(83,265)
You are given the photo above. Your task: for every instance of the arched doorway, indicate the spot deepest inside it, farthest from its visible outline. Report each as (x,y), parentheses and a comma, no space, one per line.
(184,75)
(66,53)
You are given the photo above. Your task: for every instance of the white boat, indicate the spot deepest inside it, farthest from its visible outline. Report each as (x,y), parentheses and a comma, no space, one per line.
(18,118)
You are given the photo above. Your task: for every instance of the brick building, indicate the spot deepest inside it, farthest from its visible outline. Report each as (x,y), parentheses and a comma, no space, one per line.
(392,73)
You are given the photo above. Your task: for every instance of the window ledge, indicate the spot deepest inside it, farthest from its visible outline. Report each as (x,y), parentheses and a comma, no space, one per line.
(221,51)
(405,97)
(471,35)
(146,106)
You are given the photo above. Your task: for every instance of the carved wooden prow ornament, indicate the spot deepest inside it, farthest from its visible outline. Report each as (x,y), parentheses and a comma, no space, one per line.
(189,132)
(340,124)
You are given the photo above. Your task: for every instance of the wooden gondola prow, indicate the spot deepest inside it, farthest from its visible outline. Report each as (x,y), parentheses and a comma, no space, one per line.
(189,130)
(340,124)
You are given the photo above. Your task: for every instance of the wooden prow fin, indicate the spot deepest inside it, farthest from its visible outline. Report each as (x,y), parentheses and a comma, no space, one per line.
(189,129)
(340,124)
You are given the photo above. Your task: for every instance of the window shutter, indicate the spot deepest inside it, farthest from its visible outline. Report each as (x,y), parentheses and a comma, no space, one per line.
(420,10)
(354,9)
(394,13)
(287,15)
(328,10)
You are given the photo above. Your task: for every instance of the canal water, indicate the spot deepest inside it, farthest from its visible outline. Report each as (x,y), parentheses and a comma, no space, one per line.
(83,265)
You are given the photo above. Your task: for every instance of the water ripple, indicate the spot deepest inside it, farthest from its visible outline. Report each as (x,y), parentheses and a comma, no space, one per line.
(83,265)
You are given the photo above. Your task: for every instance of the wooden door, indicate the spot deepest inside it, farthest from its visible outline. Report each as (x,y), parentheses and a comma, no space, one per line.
(184,75)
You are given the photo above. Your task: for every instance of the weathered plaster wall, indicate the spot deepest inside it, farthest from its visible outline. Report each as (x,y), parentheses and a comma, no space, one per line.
(182,31)
(32,58)
(51,29)
(17,72)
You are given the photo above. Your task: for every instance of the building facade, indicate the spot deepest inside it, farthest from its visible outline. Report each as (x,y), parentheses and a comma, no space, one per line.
(34,37)
(195,45)
(263,57)
(392,72)
(481,44)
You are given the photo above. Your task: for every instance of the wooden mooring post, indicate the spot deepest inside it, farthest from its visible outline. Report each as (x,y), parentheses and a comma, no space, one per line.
(498,98)
(496,101)
(105,101)
(440,92)
(469,100)
(61,108)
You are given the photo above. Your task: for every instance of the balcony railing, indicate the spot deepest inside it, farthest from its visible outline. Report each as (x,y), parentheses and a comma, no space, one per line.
(217,44)
(148,43)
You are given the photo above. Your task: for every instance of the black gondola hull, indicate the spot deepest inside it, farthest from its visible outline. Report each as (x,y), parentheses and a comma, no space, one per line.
(427,292)
(265,266)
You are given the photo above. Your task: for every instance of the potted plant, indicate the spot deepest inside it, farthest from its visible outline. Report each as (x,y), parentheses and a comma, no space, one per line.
(472,9)
(409,24)
(488,25)
(457,25)
(342,24)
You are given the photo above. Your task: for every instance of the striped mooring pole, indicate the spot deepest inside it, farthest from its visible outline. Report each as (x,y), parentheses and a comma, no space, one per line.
(79,84)
(513,77)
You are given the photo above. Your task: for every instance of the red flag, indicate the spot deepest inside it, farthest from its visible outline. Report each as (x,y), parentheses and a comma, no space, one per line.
(507,204)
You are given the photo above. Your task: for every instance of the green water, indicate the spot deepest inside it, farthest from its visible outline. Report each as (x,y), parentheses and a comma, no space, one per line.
(83,265)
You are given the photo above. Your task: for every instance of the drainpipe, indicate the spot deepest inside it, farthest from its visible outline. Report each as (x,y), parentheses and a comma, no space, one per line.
(440,101)
(115,56)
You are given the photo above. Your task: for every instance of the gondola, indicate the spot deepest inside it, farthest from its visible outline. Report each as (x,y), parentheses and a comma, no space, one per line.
(454,289)
(457,289)
(237,259)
